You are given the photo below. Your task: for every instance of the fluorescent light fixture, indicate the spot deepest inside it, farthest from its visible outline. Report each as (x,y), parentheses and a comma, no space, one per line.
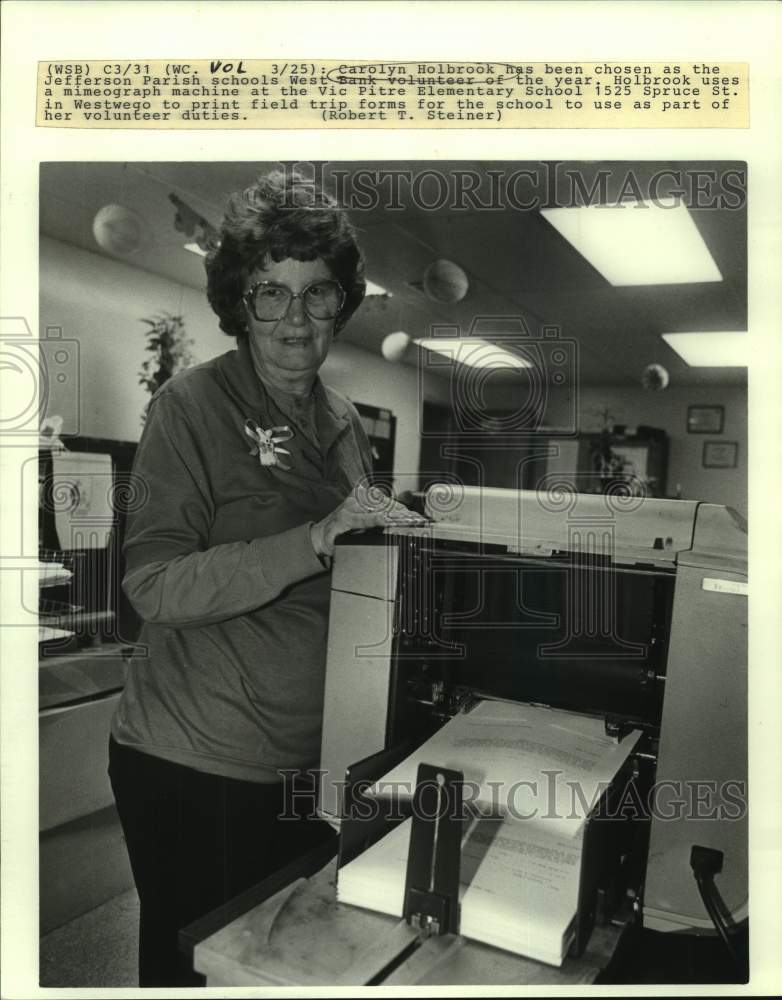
(194,248)
(638,242)
(373,289)
(711,350)
(473,352)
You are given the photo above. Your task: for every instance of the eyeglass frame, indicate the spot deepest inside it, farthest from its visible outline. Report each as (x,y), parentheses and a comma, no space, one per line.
(248,296)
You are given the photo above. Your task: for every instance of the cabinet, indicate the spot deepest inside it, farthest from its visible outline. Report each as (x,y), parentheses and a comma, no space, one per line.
(83,860)
(599,463)
(543,459)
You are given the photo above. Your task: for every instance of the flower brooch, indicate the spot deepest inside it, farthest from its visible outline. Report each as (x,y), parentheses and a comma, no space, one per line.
(266,443)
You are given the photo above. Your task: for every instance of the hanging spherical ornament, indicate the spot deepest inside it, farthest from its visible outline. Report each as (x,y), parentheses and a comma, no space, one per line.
(445,281)
(655,378)
(395,345)
(118,230)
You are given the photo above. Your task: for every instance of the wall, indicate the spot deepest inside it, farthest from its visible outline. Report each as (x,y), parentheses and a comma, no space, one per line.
(365,377)
(668,410)
(99,303)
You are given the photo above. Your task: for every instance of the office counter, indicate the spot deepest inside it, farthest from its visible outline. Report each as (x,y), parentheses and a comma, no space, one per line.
(83,861)
(300,936)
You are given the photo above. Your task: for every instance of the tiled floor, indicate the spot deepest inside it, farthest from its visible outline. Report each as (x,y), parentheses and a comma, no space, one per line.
(99,948)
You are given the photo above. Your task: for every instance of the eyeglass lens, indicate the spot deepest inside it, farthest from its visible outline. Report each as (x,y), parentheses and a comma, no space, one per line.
(321,300)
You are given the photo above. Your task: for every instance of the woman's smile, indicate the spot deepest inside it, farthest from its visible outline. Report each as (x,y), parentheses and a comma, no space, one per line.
(297,340)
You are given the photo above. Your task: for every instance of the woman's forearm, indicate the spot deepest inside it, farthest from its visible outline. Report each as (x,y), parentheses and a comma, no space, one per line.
(224,581)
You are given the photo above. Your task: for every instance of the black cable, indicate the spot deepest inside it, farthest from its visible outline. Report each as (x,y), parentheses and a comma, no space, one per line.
(706,863)
(706,887)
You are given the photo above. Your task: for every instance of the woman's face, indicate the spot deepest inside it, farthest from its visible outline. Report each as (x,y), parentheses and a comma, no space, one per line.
(297,344)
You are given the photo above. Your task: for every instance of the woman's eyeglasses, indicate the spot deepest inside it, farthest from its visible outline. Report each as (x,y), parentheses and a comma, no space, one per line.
(270,300)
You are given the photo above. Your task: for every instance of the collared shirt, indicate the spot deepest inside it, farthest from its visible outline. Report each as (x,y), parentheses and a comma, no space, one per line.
(219,564)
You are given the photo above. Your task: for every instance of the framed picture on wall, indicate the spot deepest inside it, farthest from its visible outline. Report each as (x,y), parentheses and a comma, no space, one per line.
(720,454)
(705,419)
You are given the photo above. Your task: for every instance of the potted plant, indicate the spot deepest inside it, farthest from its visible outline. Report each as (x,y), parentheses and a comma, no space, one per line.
(169,347)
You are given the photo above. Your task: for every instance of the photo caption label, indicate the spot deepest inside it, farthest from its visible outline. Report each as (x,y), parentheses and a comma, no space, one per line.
(264,94)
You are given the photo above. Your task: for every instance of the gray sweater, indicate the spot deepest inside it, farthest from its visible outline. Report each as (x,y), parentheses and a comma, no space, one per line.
(219,564)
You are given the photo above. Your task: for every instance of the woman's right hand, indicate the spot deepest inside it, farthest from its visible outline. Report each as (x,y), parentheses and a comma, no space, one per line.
(364,508)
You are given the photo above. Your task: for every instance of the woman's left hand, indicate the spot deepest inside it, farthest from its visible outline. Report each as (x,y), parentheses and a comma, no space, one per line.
(365,507)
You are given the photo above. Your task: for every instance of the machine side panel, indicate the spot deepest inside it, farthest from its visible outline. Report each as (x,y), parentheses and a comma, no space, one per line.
(368,567)
(356,694)
(704,741)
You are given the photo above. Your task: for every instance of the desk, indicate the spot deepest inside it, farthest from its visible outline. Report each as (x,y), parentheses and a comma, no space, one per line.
(302,937)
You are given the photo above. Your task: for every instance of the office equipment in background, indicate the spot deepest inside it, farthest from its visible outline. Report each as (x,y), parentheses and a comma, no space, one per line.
(85,494)
(380,427)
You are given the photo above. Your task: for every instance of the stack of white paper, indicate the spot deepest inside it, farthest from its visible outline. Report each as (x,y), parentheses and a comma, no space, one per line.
(533,775)
(544,766)
(519,888)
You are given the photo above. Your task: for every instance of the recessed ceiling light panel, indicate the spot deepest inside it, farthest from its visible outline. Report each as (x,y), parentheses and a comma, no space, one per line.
(474,352)
(711,350)
(638,242)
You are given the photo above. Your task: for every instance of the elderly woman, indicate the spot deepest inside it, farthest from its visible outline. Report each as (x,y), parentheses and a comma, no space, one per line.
(253,468)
